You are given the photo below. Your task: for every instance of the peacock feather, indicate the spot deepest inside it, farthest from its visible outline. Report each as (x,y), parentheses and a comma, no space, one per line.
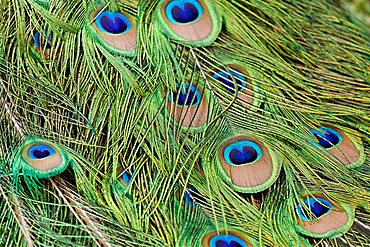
(184,123)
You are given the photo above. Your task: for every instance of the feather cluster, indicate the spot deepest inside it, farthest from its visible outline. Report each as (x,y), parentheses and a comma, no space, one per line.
(184,123)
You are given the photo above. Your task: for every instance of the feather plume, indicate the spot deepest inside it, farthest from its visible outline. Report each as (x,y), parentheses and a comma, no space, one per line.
(184,123)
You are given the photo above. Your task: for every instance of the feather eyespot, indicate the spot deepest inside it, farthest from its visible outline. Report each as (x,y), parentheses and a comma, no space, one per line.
(314,208)
(230,238)
(327,137)
(187,105)
(227,241)
(125,178)
(40,42)
(237,82)
(40,151)
(41,158)
(319,217)
(247,164)
(185,95)
(113,22)
(227,80)
(116,31)
(192,196)
(242,153)
(183,11)
(192,22)
(344,145)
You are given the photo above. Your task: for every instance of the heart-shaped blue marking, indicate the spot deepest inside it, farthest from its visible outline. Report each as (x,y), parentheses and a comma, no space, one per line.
(242,153)
(246,155)
(113,22)
(40,151)
(184,11)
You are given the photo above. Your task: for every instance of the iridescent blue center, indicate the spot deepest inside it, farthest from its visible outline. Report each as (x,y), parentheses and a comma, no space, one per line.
(327,137)
(40,151)
(113,22)
(227,241)
(183,11)
(40,42)
(190,195)
(186,95)
(317,206)
(126,176)
(242,153)
(227,80)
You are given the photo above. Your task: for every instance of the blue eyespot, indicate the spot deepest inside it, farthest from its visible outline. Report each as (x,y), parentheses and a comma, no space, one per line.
(226,241)
(39,41)
(113,22)
(184,11)
(327,137)
(40,151)
(242,153)
(126,176)
(227,81)
(189,196)
(317,206)
(186,95)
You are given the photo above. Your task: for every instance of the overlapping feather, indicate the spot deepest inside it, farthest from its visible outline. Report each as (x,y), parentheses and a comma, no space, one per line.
(305,62)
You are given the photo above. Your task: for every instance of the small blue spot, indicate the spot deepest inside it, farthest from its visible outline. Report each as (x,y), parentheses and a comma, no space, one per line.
(126,176)
(113,22)
(40,151)
(227,80)
(186,95)
(318,207)
(226,241)
(242,152)
(327,137)
(184,11)
(189,196)
(39,41)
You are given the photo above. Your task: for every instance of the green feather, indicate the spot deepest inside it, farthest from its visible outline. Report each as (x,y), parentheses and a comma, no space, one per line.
(149,139)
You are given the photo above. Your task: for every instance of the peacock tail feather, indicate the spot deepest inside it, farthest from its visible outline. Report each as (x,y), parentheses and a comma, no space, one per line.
(184,123)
